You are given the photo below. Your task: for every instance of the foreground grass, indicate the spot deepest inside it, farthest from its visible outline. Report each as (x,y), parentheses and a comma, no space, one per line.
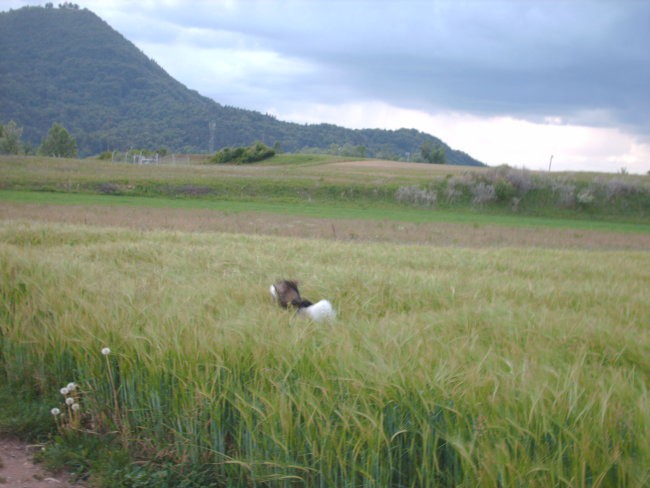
(446,367)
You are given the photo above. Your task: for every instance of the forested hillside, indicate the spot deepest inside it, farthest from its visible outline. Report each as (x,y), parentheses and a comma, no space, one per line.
(67,65)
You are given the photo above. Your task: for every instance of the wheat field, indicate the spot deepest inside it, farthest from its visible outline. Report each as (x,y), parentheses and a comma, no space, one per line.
(446,366)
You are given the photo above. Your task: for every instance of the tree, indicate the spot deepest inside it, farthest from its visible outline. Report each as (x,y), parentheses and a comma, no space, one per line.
(433,153)
(59,143)
(10,135)
(348,150)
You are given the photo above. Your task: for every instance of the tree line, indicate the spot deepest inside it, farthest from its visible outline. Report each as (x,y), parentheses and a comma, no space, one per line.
(60,143)
(57,143)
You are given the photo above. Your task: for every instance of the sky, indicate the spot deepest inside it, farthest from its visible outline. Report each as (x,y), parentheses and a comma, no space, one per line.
(528,83)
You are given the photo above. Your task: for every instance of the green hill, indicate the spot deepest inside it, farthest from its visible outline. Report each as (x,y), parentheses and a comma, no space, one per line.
(67,65)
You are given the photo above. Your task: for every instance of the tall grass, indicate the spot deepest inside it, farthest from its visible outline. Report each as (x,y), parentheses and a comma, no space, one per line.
(446,367)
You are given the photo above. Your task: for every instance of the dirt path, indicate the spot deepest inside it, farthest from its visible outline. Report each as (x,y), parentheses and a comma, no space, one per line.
(18,471)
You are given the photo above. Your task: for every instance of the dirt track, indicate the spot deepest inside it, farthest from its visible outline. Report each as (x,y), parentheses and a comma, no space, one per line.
(18,471)
(401,166)
(435,233)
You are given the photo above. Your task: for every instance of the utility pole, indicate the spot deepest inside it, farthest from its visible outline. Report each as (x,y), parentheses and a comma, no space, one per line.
(213,126)
(549,163)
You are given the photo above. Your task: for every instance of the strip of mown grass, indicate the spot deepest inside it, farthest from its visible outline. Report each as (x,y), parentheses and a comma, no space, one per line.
(339,211)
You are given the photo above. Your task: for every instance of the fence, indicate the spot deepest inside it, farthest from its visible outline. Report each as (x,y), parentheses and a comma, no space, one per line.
(140,158)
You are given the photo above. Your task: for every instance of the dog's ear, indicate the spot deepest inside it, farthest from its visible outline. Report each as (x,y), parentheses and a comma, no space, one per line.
(291,284)
(286,293)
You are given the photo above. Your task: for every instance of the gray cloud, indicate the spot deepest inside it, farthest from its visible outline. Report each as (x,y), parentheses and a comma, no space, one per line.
(526,59)
(495,58)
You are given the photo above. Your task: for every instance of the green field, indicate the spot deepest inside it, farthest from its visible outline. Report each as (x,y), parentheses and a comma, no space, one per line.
(447,366)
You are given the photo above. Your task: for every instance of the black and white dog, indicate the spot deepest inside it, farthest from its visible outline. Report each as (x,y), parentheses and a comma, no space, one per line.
(287,295)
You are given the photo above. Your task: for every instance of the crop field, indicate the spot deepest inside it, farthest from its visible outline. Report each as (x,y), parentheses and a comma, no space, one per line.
(472,349)
(461,230)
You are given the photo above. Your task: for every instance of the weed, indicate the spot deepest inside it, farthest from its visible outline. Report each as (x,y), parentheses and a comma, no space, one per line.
(70,417)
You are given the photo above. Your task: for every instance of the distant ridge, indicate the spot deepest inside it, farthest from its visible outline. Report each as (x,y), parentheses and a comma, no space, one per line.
(67,65)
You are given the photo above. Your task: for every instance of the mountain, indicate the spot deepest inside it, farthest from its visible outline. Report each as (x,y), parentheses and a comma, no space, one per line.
(67,65)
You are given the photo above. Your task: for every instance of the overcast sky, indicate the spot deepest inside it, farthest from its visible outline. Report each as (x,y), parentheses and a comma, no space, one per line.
(507,81)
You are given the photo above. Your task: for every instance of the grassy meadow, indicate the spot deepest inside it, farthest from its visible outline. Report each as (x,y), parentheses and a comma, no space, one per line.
(317,184)
(512,351)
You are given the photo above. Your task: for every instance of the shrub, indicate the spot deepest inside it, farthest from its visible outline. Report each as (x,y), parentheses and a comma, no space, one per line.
(565,193)
(504,190)
(456,188)
(108,188)
(521,180)
(617,188)
(483,193)
(416,195)
(243,155)
(585,197)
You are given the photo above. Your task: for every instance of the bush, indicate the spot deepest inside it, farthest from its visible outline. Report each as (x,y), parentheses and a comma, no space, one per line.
(483,193)
(521,180)
(243,155)
(504,190)
(617,189)
(456,188)
(522,190)
(585,197)
(564,193)
(516,182)
(416,195)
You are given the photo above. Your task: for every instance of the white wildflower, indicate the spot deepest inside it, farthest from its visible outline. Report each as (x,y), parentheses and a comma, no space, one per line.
(64,391)
(55,411)
(69,401)
(75,407)
(71,386)
(106,351)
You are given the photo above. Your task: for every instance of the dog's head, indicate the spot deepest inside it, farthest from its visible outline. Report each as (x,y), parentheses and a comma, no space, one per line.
(287,294)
